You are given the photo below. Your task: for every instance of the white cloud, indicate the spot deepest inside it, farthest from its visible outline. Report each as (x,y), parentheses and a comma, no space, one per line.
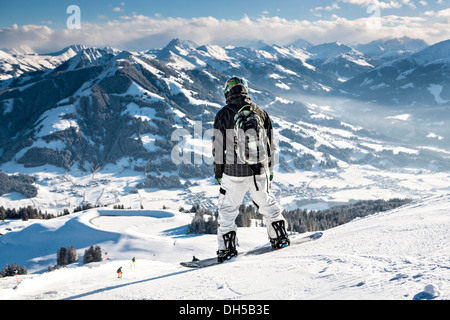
(316,10)
(117,9)
(139,32)
(334,6)
(441,15)
(390,4)
(409,3)
(444,13)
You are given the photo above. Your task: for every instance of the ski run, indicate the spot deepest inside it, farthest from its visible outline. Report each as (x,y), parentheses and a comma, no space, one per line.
(401,254)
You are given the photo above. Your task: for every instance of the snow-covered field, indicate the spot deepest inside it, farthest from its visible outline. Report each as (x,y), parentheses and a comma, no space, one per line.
(400,255)
(315,189)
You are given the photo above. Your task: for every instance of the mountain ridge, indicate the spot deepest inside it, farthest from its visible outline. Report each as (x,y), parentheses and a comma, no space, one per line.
(103,108)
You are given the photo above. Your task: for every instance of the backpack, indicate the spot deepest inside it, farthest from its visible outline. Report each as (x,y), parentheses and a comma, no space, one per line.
(250,136)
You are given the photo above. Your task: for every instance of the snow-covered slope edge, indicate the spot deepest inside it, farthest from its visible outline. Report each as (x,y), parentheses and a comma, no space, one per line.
(400,254)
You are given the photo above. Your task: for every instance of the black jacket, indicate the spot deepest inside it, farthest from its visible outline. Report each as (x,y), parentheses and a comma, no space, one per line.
(225,120)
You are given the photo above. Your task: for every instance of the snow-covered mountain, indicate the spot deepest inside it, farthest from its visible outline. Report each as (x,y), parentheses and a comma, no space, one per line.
(390,48)
(396,255)
(342,60)
(421,79)
(15,63)
(98,127)
(301,43)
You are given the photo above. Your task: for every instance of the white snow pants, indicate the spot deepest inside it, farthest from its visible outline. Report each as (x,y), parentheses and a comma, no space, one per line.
(233,190)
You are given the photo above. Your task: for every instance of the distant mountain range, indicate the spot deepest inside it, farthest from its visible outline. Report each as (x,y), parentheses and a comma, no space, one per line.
(86,108)
(419,78)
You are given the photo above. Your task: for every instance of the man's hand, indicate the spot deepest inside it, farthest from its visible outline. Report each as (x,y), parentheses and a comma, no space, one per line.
(218,180)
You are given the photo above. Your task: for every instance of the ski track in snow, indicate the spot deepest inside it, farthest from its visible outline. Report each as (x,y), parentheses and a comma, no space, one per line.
(400,254)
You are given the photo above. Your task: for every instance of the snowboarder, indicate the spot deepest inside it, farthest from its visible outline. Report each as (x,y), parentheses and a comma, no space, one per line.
(244,164)
(119,272)
(133,262)
(195,259)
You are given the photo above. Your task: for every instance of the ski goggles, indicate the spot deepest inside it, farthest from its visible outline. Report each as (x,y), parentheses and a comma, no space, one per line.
(234,82)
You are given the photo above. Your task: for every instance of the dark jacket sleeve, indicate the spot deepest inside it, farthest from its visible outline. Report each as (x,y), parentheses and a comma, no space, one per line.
(272,144)
(218,145)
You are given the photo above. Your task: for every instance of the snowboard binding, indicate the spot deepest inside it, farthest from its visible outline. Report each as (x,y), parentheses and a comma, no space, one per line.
(230,247)
(282,239)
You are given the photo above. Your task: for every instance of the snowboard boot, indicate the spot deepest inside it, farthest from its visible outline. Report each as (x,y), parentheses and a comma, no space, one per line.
(282,239)
(230,247)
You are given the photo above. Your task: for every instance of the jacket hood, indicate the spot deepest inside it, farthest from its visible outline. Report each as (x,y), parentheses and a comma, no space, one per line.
(238,96)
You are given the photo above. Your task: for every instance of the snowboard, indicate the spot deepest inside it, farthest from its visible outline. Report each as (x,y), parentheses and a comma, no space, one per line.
(259,250)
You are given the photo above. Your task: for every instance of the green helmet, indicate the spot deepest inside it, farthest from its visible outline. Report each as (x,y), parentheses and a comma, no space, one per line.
(233,82)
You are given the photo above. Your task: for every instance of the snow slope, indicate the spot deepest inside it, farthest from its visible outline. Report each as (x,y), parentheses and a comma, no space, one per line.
(400,254)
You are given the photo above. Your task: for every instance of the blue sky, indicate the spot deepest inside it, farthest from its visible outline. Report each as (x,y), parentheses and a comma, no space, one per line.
(134,24)
(51,12)
(23,12)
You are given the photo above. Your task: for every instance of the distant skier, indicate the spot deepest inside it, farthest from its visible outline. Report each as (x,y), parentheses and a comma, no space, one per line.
(119,272)
(133,262)
(195,259)
(16,273)
(244,153)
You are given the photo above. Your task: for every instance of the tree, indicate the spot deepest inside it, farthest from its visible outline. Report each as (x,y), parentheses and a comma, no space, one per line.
(73,255)
(93,254)
(10,270)
(65,256)
(62,256)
